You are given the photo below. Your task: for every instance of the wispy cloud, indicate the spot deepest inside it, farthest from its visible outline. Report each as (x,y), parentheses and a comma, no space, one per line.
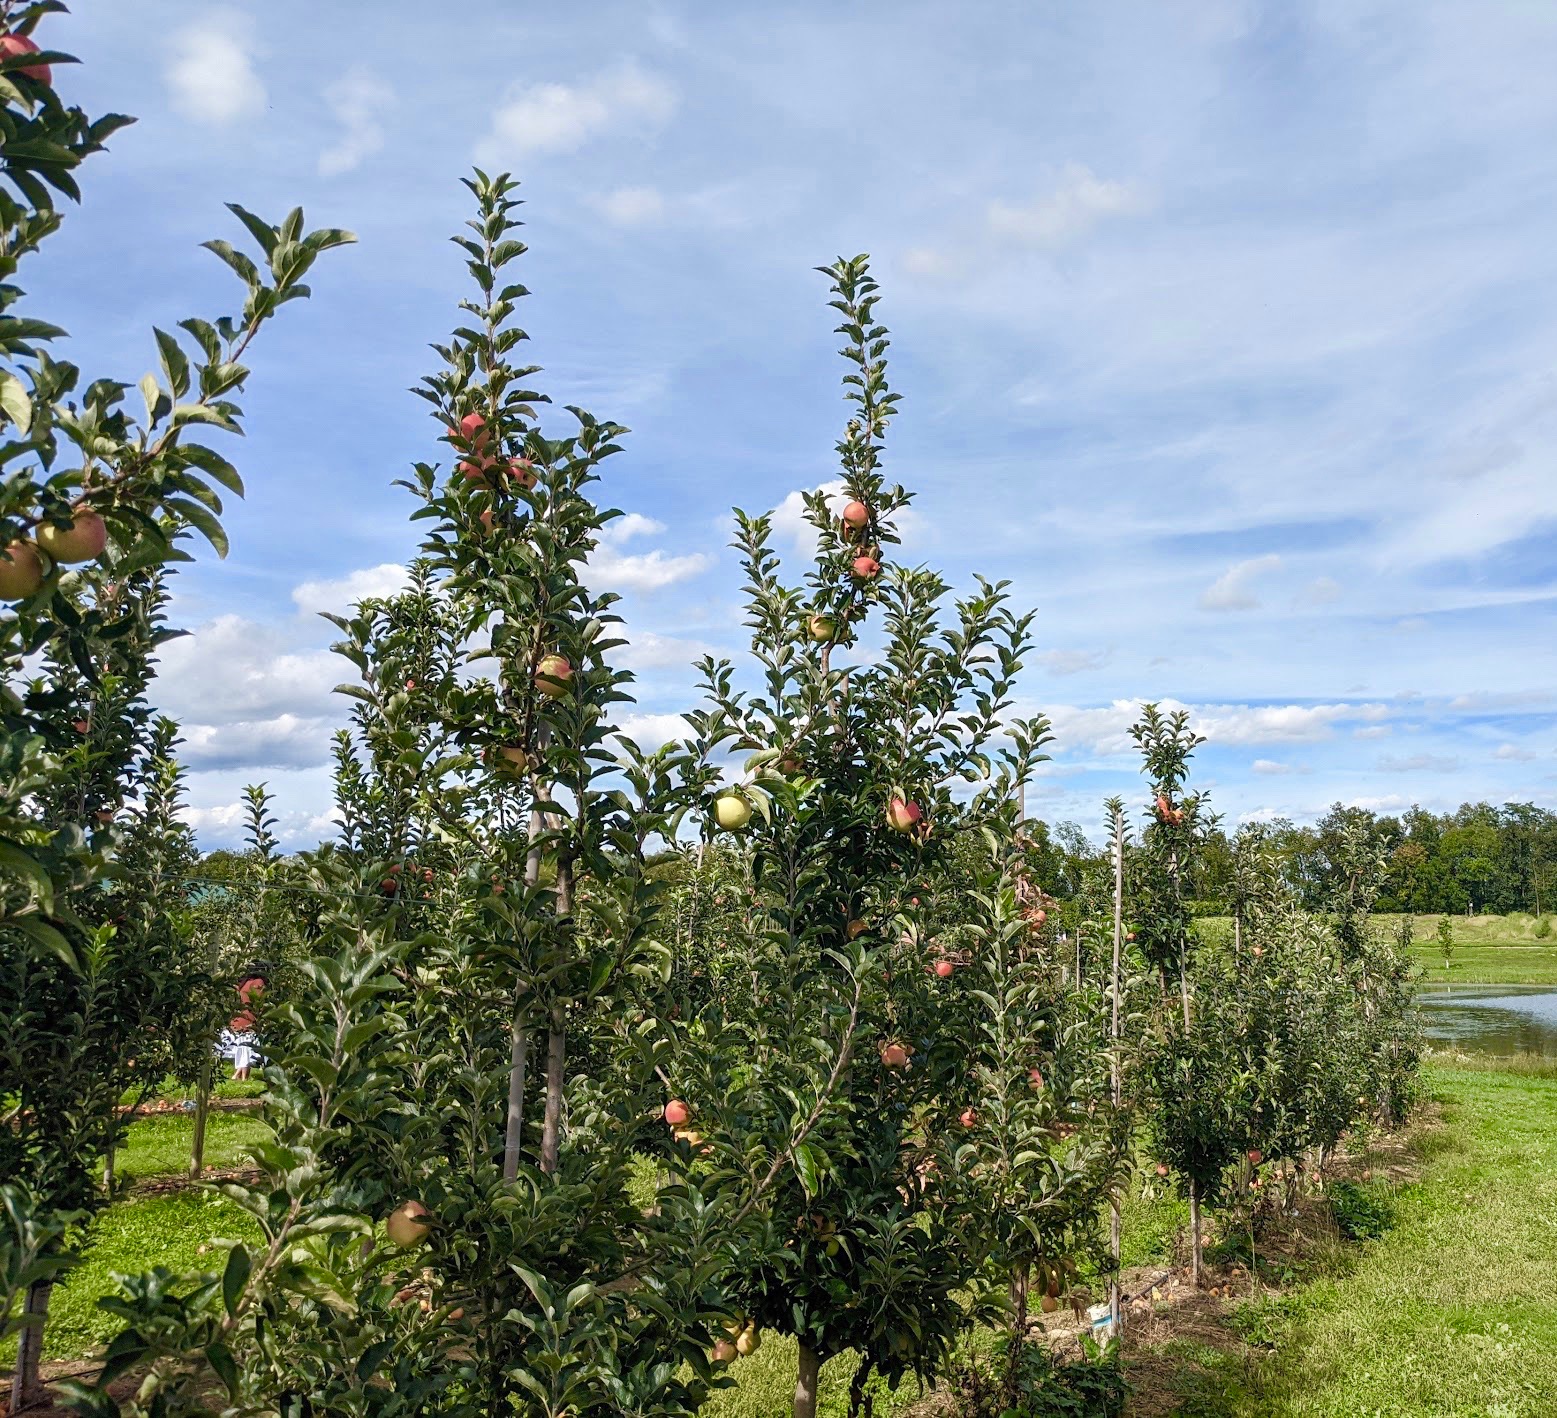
(358,99)
(1233,590)
(210,70)
(560,118)
(1065,211)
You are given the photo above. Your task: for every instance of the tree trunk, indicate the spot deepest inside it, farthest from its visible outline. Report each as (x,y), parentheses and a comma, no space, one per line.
(1116,1082)
(1194,1232)
(202,1112)
(513,1130)
(108,1159)
(519,1041)
(556,1061)
(26,1386)
(808,1373)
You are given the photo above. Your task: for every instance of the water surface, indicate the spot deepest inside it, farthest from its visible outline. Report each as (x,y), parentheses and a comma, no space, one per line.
(1491,1019)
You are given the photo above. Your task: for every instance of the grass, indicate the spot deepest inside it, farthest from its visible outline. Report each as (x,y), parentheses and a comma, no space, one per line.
(1452,1312)
(1488,950)
(159,1146)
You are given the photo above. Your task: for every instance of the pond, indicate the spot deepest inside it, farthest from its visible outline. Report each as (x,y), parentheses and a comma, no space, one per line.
(1491,1019)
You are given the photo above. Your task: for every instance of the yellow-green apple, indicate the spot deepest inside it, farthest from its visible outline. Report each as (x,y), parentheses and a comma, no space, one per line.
(21,571)
(822,628)
(408,1224)
(553,675)
(731,811)
(83,540)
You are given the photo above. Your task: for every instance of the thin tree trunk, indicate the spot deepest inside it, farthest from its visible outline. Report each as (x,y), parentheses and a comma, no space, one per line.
(513,1131)
(808,1372)
(556,1062)
(556,1045)
(202,1112)
(1116,1081)
(519,1042)
(1194,1232)
(26,1385)
(108,1158)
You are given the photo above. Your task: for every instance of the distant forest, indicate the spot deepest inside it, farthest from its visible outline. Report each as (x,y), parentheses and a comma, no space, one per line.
(1478,858)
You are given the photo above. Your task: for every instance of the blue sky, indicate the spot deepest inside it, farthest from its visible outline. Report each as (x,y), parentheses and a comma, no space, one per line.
(1227,332)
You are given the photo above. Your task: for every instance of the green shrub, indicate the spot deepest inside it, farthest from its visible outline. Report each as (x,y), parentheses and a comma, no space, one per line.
(1361,1213)
(1543,927)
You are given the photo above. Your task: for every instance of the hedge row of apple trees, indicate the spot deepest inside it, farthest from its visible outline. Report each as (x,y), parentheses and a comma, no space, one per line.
(599,1062)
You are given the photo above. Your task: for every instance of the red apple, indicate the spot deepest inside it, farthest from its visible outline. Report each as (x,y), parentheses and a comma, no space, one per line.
(1255,1156)
(552,676)
(902,815)
(486,519)
(1164,808)
(1035,1078)
(81,726)
(731,811)
(21,571)
(475,471)
(1162,1169)
(723,1352)
(14,44)
(944,969)
(473,431)
(894,1055)
(1039,916)
(968,1117)
(408,1224)
(856,515)
(677,1112)
(522,471)
(83,540)
(866,568)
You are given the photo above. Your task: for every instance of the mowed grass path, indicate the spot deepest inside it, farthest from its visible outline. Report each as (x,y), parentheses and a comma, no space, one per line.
(1452,1313)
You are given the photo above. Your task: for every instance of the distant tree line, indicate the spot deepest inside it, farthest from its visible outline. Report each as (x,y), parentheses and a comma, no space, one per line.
(1478,858)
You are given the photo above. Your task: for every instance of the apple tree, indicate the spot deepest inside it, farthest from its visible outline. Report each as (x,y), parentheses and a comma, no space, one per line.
(846,816)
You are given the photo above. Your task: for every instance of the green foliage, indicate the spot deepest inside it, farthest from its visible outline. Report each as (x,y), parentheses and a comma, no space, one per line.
(1362,1213)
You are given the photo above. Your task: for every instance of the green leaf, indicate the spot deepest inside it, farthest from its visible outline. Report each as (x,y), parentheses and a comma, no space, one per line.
(235,1277)
(14,401)
(201,519)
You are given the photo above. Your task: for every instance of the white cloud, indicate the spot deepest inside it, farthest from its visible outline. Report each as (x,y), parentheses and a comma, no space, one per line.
(1071,662)
(232,670)
(1513,753)
(1322,591)
(1269,766)
(357,99)
(561,118)
(647,651)
(1076,204)
(651,731)
(1233,590)
(210,73)
(612,568)
(1420,763)
(286,741)
(1373,731)
(1105,730)
(340,595)
(631,206)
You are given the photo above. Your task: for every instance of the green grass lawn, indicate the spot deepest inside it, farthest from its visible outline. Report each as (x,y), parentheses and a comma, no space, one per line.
(1488,950)
(1452,1312)
(158,1146)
